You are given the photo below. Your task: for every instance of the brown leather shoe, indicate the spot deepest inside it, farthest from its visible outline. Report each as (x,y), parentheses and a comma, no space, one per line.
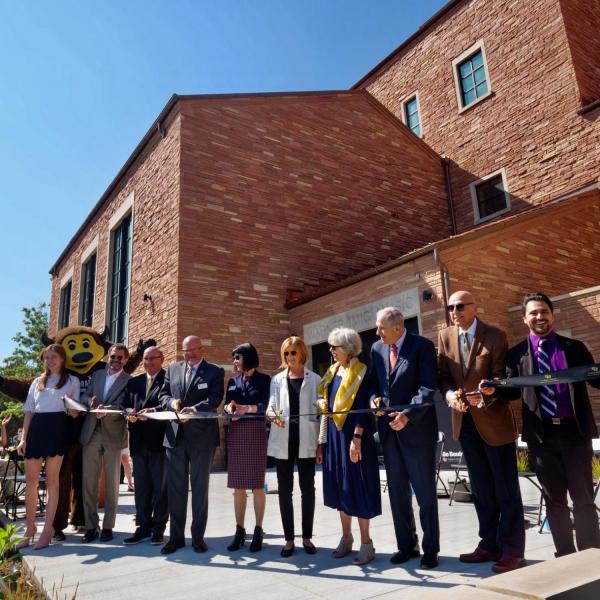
(199,545)
(508,563)
(479,555)
(171,547)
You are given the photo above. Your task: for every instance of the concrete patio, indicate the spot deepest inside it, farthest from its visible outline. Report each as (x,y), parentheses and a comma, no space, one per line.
(112,570)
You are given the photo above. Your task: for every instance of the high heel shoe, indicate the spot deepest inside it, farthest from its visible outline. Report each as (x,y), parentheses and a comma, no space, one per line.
(344,547)
(257,539)
(26,541)
(44,540)
(239,539)
(287,552)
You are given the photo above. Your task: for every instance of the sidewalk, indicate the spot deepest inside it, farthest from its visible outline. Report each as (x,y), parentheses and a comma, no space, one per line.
(112,570)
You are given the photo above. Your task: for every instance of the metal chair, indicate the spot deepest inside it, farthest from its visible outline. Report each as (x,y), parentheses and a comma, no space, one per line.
(439,454)
(461,478)
(15,480)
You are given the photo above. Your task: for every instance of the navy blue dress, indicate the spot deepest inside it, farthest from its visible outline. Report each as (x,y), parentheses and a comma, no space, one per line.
(353,488)
(247,438)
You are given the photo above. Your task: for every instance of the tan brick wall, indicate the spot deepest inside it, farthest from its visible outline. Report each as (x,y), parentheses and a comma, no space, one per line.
(154,182)
(529,126)
(283,194)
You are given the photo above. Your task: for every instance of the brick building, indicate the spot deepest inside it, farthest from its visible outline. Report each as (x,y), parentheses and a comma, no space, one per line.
(469,158)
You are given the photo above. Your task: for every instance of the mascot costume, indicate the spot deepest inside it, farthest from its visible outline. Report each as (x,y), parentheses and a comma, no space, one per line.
(85,349)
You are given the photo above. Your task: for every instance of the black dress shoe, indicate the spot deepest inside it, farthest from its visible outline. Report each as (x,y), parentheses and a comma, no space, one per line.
(199,545)
(309,548)
(139,536)
(171,547)
(59,536)
(90,535)
(429,561)
(157,539)
(106,535)
(402,557)
(239,539)
(257,539)
(287,552)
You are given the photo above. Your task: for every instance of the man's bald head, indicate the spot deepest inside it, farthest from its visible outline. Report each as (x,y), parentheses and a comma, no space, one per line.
(462,309)
(193,352)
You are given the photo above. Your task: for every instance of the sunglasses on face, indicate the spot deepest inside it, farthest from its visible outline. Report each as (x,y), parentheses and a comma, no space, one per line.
(334,347)
(237,357)
(116,357)
(457,307)
(152,357)
(290,353)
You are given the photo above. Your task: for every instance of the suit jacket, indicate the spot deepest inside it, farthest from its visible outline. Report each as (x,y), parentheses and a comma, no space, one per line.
(520,362)
(495,422)
(204,393)
(148,434)
(411,384)
(112,428)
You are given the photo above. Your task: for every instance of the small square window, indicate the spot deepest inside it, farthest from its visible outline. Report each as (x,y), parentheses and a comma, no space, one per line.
(411,114)
(471,76)
(490,196)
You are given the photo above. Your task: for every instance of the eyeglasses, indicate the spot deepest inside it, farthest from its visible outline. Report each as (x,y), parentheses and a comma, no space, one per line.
(457,307)
(152,357)
(333,347)
(290,352)
(117,357)
(187,350)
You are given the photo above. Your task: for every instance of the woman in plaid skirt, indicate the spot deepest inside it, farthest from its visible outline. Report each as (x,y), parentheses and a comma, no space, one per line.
(247,394)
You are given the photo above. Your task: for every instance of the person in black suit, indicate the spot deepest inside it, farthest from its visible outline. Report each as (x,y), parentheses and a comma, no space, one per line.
(192,385)
(558,425)
(146,438)
(404,374)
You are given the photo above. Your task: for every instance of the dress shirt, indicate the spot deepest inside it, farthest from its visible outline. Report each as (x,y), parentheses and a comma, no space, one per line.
(557,362)
(398,343)
(470,333)
(110,379)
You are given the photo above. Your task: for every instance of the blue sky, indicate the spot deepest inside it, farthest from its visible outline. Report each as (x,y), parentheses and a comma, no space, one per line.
(82,81)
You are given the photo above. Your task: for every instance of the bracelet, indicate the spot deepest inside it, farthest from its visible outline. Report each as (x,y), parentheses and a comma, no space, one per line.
(357,436)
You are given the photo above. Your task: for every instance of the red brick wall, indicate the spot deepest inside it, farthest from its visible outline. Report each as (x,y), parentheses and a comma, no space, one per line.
(153,180)
(283,194)
(529,126)
(582,24)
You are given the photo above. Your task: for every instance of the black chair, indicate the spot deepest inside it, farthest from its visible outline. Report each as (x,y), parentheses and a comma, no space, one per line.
(461,484)
(439,454)
(15,480)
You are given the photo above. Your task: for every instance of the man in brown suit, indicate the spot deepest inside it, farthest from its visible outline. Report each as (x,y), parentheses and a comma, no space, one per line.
(470,351)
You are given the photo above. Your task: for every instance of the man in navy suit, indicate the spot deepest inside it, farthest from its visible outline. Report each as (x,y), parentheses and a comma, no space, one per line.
(404,375)
(146,438)
(192,385)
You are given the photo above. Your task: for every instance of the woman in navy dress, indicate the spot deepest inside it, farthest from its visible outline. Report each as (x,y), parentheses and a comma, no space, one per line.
(350,466)
(247,393)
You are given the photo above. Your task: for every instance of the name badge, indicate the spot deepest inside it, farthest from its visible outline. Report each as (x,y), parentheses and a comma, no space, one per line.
(231,388)
(202,386)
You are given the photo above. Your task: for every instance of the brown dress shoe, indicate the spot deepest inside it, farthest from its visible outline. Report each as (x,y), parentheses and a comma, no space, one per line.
(479,555)
(171,547)
(508,563)
(199,545)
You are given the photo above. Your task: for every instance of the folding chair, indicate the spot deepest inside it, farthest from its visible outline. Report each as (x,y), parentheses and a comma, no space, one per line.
(439,452)
(461,478)
(18,482)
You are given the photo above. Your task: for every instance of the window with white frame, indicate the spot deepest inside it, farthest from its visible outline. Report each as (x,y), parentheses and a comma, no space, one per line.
(120,279)
(471,76)
(64,305)
(411,114)
(490,196)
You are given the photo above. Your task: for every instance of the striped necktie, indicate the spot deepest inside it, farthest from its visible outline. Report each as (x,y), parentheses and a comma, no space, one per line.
(393,356)
(547,393)
(465,350)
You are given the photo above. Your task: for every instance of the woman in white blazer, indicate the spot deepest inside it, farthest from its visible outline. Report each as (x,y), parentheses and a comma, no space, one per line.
(295,441)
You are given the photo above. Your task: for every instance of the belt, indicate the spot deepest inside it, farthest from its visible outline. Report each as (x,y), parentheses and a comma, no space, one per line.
(560,421)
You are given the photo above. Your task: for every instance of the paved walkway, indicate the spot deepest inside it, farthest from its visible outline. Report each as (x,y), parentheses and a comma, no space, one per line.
(113,571)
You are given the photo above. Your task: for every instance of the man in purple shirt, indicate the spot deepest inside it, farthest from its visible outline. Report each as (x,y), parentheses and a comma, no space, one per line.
(558,425)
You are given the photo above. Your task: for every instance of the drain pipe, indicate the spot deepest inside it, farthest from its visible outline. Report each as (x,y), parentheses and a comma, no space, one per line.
(445,276)
(448,182)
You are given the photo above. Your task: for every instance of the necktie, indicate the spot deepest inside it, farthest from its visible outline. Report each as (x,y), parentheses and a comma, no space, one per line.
(465,350)
(547,393)
(393,356)
(148,385)
(188,375)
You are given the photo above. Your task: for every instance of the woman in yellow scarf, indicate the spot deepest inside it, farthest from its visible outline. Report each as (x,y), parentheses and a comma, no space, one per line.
(350,467)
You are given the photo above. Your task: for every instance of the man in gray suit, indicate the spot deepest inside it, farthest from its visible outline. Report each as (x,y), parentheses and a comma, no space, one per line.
(103,435)
(192,385)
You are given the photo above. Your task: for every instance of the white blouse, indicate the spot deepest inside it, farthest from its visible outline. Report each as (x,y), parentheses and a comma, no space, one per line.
(50,399)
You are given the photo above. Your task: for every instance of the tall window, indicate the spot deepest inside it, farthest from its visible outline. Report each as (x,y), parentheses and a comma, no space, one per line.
(120,280)
(411,115)
(88,282)
(64,306)
(490,196)
(471,76)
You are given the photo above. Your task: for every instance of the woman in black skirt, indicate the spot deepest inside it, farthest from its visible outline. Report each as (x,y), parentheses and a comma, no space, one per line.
(247,393)
(44,437)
